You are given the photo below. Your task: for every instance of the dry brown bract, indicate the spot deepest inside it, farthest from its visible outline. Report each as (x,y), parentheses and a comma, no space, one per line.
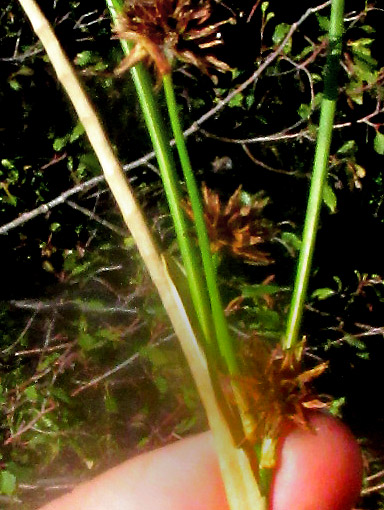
(277,388)
(237,227)
(163,30)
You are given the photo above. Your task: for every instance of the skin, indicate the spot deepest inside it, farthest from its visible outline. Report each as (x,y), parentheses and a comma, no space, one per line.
(182,476)
(318,469)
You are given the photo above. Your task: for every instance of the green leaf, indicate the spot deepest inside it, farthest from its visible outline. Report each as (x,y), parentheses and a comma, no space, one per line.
(355,342)
(110,403)
(347,147)
(54,227)
(48,360)
(329,198)
(323,293)
(60,394)
(323,22)
(60,143)
(259,290)
(361,43)
(304,110)
(339,283)
(6,163)
(84,58)
(7,483)
(264,7)
(268,319)
(355,91)
(249,100)
(107,333)
(190,398)
(378,143)
(280,32)
(90,162)
(47,266)
(291,240)
(185,425)
(31,393)
(278,36)
(237,100)
(21,472)
(14,84)
(161,384)
(156,356)
(129,242)
(78,130)
(2,397)
(88,342)
(368,29)
(336,405)
(81,268)
(360,171)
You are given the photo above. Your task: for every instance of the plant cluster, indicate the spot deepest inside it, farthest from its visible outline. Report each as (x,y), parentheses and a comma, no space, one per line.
(67,234)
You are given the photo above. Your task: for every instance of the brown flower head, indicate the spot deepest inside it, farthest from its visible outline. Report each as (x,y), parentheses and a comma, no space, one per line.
(162,30)
(277,389)
(237,227)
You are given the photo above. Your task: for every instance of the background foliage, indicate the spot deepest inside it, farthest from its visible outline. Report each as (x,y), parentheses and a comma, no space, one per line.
(90,370)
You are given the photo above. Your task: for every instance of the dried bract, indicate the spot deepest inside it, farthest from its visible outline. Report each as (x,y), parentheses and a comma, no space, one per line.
(164,30)
(277,389)
(238,228)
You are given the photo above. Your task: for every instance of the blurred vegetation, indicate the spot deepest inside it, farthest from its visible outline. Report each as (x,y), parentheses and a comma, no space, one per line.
(90,370)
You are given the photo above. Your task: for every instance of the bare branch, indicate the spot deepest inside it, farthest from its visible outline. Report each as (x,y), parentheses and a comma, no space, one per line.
(34,304)
(269,168)
(96,217)
(79,188)
(40,350)
(21,336)
(375,475)
(118,367)
(44,410)
(282,135)
(52,484)
(370,490)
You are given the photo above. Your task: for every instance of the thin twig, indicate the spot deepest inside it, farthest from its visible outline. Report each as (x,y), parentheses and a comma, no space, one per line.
(270,168)
(20,337)
(375,475)
(370,490)
(47,484)
(118,367)
(40,350)
(44,410)
(281,135)
(9,500)
(96,217)
(79,188)
(33,304)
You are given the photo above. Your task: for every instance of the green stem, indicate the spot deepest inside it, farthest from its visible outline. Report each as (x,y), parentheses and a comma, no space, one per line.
(223,337)
(320,168)
(160,143)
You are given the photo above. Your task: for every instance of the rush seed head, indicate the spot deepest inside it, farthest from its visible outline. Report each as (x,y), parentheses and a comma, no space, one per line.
(166,30)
